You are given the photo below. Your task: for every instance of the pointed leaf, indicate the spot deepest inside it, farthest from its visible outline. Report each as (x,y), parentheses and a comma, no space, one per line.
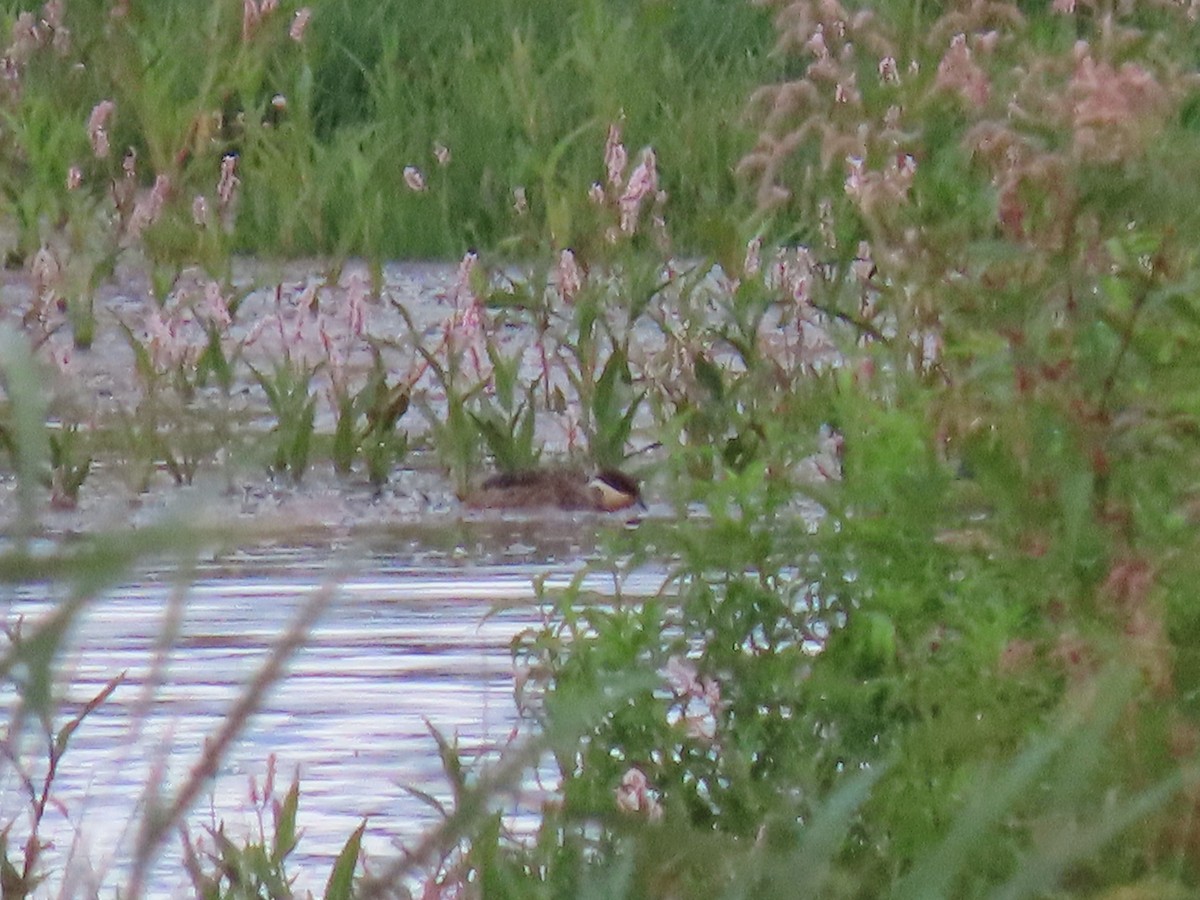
(341,878)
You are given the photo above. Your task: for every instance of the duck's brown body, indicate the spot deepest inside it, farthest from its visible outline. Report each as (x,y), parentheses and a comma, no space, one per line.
(556,488)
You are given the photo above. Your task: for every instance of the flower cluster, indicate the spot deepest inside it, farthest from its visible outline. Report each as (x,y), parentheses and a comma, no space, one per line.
(635,796)
(253,13)
(698,704)
(628,197)
(97,128)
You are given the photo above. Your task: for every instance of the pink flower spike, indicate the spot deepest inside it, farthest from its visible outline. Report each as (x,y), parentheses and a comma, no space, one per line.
(97,127)
(752,264)
(357,286)
(26,38)
(228,183)
(681,676)
(74,178)
(642,184)
(300,24)
(634,796)
(855,180)
(888,73)
(570,278)
(816,43)
(216,307)
(615,156)
(250,18)
(463,280)
(149,206)
(414,179)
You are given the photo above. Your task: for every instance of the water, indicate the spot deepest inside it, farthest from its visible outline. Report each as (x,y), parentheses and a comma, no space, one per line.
(403,646)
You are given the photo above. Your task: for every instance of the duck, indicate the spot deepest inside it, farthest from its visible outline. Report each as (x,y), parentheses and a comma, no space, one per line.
(568,489)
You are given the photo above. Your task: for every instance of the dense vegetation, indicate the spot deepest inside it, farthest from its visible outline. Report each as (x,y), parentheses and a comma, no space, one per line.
(912,306)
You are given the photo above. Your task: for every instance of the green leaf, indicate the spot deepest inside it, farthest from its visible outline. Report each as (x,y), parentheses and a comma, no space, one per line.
(285,823)
(341,878)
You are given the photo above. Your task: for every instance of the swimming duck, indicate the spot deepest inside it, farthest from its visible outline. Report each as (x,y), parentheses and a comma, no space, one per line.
(606,491)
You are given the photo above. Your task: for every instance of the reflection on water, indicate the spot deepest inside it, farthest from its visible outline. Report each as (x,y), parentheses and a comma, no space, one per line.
(399,649)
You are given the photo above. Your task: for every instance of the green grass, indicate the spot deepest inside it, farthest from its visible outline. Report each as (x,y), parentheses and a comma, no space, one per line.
(520,92)
(972,674)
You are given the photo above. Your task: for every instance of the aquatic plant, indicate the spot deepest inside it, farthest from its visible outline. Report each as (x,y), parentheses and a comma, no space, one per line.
(929,435)
(996,541)
(287,389)
(221,866)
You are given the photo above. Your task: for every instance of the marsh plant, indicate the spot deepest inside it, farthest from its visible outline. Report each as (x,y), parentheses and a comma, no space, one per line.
(925,418)
(967,668)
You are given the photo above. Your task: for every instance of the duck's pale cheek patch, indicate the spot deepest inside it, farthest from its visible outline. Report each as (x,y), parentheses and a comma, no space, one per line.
(608,497)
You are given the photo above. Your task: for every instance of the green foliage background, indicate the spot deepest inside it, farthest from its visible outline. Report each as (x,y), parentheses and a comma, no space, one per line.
(965,664)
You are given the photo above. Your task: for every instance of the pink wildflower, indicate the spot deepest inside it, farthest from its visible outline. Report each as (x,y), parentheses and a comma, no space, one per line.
(596,193)
(880,189)
(463,290)
(74,178)
(300,24)
(1115,111)
(466,335)
(26,38)
(52,13)
(168,349)
(816,43)
(699,698)
(253,13)
(791,274)
(888,73)
(414,179)
(228,184)
(635,796)
(570,278)
(855,177)
(216,307)
(959,72)
(643,183)
(752,264)
(615,157)
(337,359)
(250,18)
(149,206)
(357,285)
(97,127)
(846,92)
(464,332)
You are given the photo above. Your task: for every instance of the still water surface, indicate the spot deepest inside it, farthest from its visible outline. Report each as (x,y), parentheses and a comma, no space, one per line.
(401,647)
